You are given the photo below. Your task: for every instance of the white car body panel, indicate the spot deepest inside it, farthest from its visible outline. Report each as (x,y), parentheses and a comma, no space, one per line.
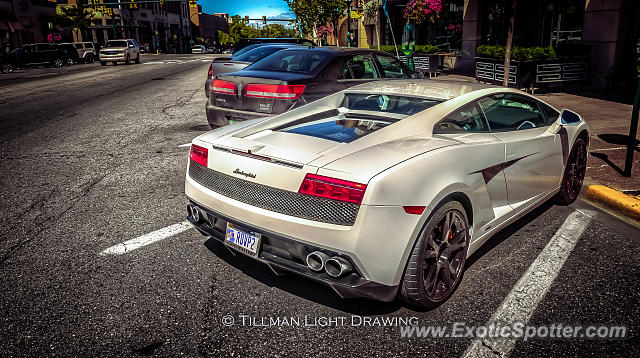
(403,164)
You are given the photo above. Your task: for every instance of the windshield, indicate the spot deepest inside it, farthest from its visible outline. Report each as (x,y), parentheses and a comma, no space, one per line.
(387,103)
(257,53)
(293,61)
(245,49)
(116,44)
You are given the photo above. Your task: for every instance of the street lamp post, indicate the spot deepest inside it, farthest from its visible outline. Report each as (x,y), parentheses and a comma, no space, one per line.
(348,22)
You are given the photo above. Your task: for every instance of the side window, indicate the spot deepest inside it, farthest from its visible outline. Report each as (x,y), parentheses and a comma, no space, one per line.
(465,119)
(44,47)
(392,67)
(552,114)
(79,46)
(359,67)
(507,112)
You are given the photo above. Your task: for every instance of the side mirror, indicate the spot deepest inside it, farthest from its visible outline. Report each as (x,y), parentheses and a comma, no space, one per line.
(569,117)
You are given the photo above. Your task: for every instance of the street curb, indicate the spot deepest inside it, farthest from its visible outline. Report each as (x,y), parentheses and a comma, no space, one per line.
(614,199)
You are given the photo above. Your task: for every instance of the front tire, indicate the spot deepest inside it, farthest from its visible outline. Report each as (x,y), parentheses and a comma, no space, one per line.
(138,59)
(127,61)
(574,173)
(436,263)
(103,63)
(57,62)
(114,62)
(90,59)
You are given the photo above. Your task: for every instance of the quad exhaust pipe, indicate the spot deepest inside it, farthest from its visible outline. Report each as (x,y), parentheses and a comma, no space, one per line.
(316,260)
(194,212)
(335,266)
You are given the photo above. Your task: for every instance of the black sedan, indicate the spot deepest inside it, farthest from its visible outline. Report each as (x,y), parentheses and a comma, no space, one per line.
(239,62)
(293,77)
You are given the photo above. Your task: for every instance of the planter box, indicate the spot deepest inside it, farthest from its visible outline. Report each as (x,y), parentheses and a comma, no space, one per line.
(534,74)
(489,70)
(424,63)
(562,72)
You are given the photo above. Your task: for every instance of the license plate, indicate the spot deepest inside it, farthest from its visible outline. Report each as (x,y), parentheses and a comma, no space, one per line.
(242,240)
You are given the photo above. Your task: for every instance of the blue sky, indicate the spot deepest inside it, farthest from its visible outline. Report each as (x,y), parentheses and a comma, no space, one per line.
(253,8)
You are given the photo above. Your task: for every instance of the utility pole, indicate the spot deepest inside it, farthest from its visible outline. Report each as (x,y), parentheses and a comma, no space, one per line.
(507,50)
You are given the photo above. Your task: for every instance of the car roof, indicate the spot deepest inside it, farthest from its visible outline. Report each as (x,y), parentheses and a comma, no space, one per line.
(442,89)
(339,50)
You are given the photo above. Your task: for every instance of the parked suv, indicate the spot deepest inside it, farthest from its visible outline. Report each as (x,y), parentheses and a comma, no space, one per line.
(86,51)
(38,54)
(115,51)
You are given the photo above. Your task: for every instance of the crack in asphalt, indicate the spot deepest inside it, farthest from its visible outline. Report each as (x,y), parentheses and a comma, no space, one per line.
(496,353)
(48,220)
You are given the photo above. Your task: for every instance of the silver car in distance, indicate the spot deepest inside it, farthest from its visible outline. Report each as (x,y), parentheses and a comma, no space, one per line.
(384,189)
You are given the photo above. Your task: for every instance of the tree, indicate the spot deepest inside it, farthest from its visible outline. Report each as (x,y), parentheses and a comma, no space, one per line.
(314,13)
(75,17)
(507,50)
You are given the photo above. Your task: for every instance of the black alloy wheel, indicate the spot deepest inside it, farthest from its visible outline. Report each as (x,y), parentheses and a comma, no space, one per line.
(437,261)
(574,173)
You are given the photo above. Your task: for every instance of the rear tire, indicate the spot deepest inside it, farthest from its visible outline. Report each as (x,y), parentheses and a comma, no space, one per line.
(70,62)
(574,173)
(90,59)
(436,263)
(6,68)
(57,62)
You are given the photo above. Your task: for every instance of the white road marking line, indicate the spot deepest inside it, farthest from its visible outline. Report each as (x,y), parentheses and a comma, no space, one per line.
(605,149)
(147,239)
(531,288)
(184,145)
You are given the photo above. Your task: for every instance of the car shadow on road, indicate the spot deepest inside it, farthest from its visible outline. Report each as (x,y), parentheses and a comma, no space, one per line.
(507,232)
(324,295)
(299,286)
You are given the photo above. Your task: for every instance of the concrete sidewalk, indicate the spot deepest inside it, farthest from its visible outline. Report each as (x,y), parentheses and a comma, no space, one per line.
(609,122)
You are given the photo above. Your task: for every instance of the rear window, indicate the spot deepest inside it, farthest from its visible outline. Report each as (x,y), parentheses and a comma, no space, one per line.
(388,104)
(257,53)
(246,49)
(293,61)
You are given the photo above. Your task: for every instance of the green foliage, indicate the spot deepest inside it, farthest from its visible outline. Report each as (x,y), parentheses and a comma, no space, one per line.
(426,49)
(75,17)
(420,49)
(314,13)
(239,30)
(517,53)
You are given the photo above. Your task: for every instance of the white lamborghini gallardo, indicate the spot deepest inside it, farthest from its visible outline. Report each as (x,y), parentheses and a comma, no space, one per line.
(384,189)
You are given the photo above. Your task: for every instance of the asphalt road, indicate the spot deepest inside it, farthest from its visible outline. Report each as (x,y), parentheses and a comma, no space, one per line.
(91,157)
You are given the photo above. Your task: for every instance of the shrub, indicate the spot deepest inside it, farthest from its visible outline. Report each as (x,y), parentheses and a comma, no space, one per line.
(517,53)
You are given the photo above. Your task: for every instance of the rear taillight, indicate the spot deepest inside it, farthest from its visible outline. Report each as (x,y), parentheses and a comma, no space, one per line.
(225,87)
(199,154)
(331,188)
(274,91)
(211,70)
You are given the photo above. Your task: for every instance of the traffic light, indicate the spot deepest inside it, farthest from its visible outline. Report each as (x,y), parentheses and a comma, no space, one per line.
(264,20)
(246,19)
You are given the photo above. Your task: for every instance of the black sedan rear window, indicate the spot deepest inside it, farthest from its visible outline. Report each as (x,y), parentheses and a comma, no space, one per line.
(293,61)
